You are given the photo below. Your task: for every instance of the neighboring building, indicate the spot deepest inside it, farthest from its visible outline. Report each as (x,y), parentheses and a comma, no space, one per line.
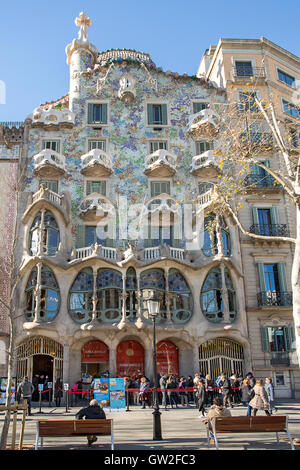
(257,66)
(117,153)
(11,146)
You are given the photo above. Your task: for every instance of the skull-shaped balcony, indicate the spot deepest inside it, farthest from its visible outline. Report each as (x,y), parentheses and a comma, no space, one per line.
(95,207)
(48,164)
(205,164)
(160,163)
(163,206)
(96,163)
(52,119)
(203,125)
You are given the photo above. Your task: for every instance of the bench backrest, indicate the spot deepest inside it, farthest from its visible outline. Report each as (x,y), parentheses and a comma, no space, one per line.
(74,427)
(251,424)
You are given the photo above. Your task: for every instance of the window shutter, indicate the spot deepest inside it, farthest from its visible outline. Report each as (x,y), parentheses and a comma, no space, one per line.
(104,113)
(261,274)
(80,239)
(255,215)
(289,338)
(164,115)
(150,113)
(90,113)
(282,277)
(274,215)
(265,339)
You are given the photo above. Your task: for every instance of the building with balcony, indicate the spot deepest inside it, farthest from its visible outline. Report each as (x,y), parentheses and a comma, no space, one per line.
(118,201)
(249,68)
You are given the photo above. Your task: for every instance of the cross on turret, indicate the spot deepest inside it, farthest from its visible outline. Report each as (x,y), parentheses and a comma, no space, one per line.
(83,21)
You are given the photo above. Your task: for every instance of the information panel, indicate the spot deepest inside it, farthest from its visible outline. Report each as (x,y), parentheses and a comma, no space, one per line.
(110,393)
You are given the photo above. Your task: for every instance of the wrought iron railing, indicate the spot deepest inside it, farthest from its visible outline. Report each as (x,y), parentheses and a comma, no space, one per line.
(248,71)
(280,358)
(274,299)
(270,230)
(264,139)
(260,181)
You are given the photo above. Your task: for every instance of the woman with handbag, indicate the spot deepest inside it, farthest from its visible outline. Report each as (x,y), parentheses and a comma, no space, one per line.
(260,400)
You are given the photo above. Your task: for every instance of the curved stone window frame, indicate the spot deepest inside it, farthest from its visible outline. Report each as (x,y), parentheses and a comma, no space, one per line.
(131,297)
(210,241)
(180,297)
(109,295)
(39,295)
(81,296)
(214,306)
(50,228)
(155,281)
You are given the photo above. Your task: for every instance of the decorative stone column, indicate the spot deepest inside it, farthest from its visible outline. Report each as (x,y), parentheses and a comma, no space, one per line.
(112,362)
(37,293)
(224,295)
(139,322)
(66,364)
(94,298)
(40,248)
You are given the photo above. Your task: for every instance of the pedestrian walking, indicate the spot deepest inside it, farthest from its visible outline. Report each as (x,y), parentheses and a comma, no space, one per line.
(209,388)
(270,394)
(201,397)
(93,411)
(58,392)
(183,394)
(226,390)
(260,400)
(35,383)
(163,386)
(143,395)
(246,395)
(171,385)
(25,391)
(235,386)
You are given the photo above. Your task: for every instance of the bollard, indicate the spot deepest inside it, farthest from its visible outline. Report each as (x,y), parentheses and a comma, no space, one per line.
(127,399)
(40,402)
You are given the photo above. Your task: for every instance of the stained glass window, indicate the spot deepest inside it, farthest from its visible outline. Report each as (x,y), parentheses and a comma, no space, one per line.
(212,302)
(109,295)
(49,234)
(80,299)
(180,297)
(49,297)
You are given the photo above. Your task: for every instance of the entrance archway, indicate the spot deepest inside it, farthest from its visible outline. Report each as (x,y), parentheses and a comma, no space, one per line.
(130,359)
(39,353)
(167,358)
(221,355)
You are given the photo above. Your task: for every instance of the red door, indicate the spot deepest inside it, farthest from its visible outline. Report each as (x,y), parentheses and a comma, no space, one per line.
(167,358)
(130,359)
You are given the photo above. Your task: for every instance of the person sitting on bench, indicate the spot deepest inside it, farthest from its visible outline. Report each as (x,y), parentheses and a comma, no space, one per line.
(216,411)
(93,411)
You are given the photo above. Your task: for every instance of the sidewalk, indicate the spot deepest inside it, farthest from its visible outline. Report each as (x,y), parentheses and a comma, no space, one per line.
(182,430)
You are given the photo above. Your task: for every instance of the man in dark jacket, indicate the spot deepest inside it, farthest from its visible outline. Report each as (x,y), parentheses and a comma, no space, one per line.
(226,390)
(93,411)
(25,391)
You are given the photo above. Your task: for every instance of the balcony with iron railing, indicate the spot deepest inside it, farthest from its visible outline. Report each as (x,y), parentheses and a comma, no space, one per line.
(257,140)
(241,73)
(279,358)
(260,181)
(270,230)
(275,299)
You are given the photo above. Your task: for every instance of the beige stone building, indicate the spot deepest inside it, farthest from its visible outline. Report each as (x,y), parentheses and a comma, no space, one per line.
(246,67)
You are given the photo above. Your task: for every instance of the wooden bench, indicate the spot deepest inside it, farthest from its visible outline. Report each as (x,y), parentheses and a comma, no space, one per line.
(73,428)
(249,424)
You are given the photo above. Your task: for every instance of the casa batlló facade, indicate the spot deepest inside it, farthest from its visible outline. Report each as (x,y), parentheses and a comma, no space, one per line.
(114,206)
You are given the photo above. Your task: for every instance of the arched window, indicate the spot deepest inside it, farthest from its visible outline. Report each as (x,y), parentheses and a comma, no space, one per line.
(212,301)
(109,295)
(80,298)
(49,234)
(180,297)
(210,243)
(46,293)
(153,279)
(131,294)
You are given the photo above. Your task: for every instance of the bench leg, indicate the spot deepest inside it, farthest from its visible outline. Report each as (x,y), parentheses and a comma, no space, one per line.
(207,434)
(277,437)
(215,435)
(112,437)
(37,441)
(290,438)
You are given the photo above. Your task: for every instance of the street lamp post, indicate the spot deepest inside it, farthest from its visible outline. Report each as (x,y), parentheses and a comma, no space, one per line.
(153,305)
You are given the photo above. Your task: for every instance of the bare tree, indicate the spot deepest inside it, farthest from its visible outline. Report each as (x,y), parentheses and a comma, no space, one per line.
(10,270)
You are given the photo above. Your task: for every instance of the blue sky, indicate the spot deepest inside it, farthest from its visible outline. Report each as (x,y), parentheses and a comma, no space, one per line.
(175,33)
